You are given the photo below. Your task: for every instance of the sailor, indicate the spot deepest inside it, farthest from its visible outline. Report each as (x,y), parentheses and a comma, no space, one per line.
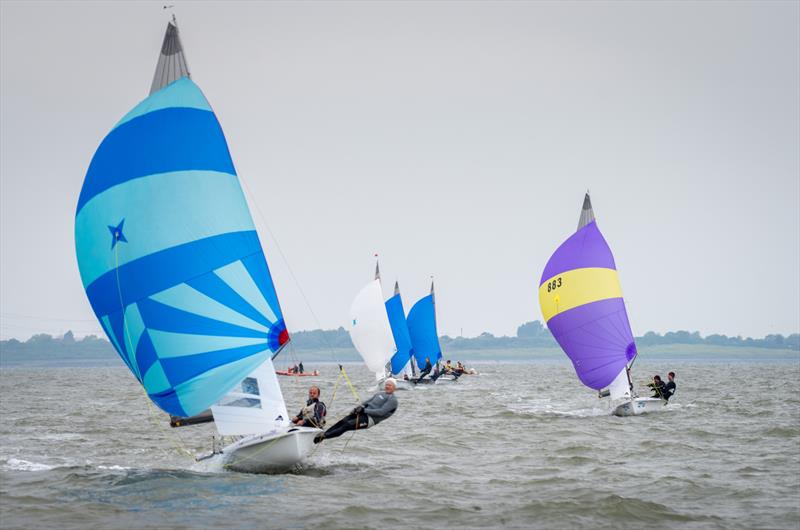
(313,414)
(369,413)
(300,367)
(436,373)
(449,370)
(658,387)
(425,371)
(670,387)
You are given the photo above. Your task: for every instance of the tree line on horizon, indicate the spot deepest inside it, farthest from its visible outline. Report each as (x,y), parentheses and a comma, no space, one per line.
(529,335)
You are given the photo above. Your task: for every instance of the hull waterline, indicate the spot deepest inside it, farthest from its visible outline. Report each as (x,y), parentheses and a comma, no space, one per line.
(638,406)
(270,453)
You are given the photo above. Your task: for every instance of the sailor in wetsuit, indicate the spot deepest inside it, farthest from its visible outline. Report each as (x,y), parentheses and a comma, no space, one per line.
(425,371)
(370,412)
(670,387)
(658,387)
(313,414)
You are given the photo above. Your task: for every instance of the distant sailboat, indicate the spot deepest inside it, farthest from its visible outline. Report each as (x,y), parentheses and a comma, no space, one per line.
(424,335)
(175,273)
(397,320)
(581,301)
(371,331)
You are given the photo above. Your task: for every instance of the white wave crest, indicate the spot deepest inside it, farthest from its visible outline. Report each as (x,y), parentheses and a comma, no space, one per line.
(16,464)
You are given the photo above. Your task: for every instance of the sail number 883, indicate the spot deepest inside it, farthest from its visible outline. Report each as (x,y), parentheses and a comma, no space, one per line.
(555,284)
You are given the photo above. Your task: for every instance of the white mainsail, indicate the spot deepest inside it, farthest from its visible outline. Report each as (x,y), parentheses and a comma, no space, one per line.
(254,406)
(369,327)
(620,387)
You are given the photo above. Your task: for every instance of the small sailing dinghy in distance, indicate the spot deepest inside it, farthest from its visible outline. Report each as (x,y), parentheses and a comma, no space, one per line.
(175,273)
(581,301)
(425,337)
(403,358)
(371,331)
(289,373)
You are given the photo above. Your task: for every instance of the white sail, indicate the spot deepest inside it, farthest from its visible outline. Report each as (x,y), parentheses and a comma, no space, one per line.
(369,327)
(254,406)
(620,387)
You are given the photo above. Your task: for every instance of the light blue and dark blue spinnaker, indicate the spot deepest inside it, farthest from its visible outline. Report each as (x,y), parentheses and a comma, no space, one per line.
(169,256)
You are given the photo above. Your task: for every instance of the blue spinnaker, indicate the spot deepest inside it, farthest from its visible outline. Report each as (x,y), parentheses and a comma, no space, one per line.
(169,256)
(402,339)
(422,329)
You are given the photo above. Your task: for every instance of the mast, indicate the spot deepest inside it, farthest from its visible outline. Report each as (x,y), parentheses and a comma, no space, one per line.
(171,64)
(587,214)
(411,351)
(433,302)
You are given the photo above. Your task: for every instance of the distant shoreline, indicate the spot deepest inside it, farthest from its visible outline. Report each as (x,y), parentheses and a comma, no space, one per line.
(107,357)
(533,342)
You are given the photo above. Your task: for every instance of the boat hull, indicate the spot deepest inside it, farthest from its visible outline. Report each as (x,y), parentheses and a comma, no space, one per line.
(637,406)
(270,453)
(292,374)
(401,384)
(446,379)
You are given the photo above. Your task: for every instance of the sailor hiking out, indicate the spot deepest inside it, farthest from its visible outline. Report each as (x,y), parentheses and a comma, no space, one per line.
(670,387)
(371,412)
(658,387)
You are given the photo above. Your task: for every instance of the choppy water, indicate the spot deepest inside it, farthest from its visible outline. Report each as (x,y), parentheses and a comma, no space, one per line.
(520,446)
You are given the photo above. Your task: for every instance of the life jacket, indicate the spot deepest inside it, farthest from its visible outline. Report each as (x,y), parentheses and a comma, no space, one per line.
(307,413)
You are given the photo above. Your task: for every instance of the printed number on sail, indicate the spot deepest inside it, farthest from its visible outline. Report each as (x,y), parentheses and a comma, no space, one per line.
(555,284)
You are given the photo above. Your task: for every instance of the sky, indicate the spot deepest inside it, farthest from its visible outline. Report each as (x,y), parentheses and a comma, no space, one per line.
(454,139)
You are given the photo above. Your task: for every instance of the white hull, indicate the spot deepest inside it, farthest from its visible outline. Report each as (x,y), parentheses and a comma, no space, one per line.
(275,452)
(639,405)
(445,379)
(402,384)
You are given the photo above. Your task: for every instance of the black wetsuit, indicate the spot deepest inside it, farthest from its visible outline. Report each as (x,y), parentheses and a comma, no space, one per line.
(377,408)
(669,390)
(425,371)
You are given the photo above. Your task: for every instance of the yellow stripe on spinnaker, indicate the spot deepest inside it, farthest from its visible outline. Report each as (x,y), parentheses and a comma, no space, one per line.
(577,287)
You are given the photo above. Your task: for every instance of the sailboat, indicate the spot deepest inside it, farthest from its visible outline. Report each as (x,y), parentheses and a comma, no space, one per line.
(581,301)
(174,270)
(404,358)
(424,335)
(371,331)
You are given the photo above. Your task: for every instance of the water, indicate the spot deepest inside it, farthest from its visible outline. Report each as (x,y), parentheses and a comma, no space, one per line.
(521,446)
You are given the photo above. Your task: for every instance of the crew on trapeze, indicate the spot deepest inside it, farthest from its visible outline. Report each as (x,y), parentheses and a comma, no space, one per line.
(313,414)
(425,371)
(370,412)
(662,390)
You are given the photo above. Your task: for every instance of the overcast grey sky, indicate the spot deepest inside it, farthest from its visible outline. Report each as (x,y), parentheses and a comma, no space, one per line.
(456,139)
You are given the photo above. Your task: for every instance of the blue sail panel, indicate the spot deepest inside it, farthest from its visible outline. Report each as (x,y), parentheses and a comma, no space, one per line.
(397,321)
(422,330)
(169,255)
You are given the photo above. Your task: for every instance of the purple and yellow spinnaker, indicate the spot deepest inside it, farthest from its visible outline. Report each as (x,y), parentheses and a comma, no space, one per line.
(581,302)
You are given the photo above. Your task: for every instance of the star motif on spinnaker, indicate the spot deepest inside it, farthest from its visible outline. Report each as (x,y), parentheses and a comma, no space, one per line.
(116,234)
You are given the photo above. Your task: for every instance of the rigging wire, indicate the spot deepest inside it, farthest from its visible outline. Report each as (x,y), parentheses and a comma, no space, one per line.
(263,220)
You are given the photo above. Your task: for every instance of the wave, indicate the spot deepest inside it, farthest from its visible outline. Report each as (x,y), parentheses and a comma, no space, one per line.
(17,464)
